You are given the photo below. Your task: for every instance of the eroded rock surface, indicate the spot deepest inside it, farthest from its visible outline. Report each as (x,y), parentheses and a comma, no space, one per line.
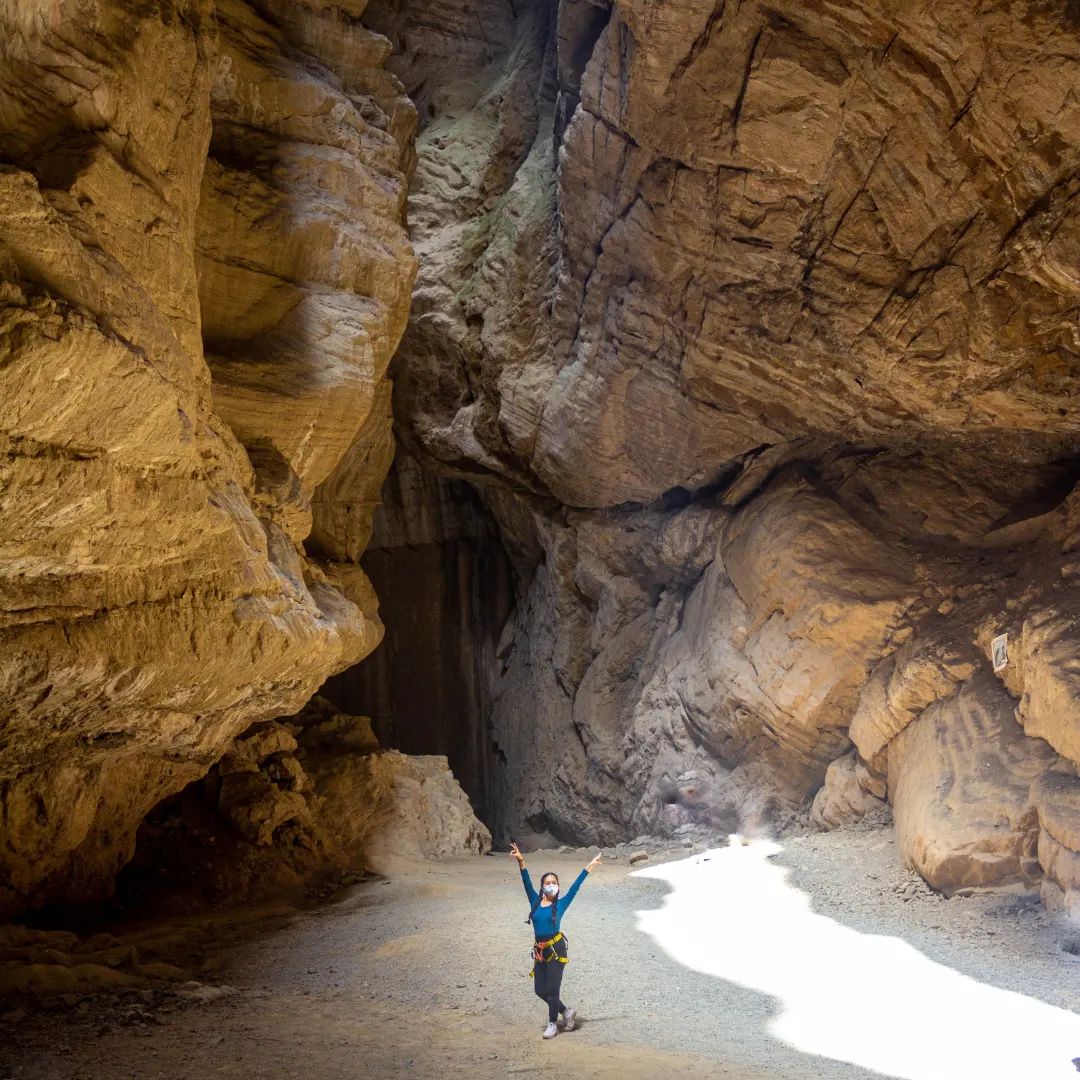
(203,274)
(753,327)
(297,807)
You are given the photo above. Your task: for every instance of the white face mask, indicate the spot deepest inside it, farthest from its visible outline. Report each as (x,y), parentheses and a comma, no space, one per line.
(551,890)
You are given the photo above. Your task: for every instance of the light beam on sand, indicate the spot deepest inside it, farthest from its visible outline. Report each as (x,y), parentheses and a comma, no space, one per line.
(866,999)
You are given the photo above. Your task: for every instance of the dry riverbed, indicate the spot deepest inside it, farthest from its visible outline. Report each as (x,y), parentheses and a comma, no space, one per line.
(731,964)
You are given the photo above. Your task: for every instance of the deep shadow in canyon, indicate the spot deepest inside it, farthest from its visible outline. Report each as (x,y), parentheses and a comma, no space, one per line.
(446,589)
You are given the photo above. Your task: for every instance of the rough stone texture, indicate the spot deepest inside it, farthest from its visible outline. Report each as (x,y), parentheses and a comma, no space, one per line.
(203,273)
(1057,796)
(744,194)
(847,794)
(375,806)
(753,325)
(296,807)
(960,780)
(417,809)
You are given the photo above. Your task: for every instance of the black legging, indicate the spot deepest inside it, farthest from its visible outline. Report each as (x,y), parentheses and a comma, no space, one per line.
(547,976)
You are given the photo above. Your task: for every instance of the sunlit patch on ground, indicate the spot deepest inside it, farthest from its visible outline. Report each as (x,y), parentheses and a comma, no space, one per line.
(866,999)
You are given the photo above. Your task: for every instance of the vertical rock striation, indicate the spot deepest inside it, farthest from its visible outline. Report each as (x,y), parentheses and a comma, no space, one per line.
(445,589)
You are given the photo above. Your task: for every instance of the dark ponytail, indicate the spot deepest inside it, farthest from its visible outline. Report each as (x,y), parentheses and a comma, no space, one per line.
(532,912)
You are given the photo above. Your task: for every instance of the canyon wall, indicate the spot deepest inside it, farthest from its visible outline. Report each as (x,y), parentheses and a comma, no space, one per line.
(754,326)
(738,398)
(204,272)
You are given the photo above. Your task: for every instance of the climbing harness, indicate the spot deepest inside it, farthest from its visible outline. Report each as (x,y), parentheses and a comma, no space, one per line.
(540,949)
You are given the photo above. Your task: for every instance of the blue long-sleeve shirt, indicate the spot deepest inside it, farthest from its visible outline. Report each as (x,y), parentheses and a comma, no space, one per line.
(545,922)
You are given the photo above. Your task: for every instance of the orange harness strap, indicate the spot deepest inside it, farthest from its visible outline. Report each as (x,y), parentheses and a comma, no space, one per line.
(541,947)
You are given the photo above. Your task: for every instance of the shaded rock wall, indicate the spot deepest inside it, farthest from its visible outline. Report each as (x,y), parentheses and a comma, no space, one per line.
(297,807)
(203,273)
(446,589)
(754,326)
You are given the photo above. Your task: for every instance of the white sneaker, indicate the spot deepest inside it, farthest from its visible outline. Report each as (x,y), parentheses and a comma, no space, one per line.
(551,1031)
(569,1019)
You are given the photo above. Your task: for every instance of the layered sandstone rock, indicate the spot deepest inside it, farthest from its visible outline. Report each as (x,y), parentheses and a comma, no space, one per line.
(848,794)
(960,782)
(744,196)
(203,274)
(753,327)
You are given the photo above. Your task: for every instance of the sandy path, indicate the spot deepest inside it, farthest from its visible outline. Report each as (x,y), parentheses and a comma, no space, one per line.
(741,970)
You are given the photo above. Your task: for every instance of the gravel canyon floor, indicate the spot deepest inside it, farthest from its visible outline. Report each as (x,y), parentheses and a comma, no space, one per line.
(814,957)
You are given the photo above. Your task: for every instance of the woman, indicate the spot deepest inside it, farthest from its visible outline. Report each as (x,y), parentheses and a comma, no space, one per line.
(549,952)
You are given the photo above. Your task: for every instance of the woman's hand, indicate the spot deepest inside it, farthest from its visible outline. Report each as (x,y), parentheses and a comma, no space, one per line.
(516,852)
(593,865)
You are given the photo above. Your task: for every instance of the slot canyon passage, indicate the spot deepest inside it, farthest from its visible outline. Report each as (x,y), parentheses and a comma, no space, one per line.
(638,426)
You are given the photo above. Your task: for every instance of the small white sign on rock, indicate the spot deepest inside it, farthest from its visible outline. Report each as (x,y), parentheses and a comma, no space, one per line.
(999,651)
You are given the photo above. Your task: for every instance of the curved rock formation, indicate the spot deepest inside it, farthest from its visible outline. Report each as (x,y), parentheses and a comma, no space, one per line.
(204,272)
(754,326)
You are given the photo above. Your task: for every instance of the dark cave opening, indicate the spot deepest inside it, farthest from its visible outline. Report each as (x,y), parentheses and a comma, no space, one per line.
(445,588)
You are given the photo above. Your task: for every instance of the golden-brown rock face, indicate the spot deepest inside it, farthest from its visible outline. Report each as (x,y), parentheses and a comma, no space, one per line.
(295,807)
(203,274)
(755,327)
(773,220)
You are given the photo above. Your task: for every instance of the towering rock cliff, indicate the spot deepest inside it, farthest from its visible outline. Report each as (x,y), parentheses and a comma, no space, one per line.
(203,274)
(744,336)
(755,327)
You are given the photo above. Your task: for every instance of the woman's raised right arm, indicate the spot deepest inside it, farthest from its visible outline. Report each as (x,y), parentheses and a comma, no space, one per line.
(530,892)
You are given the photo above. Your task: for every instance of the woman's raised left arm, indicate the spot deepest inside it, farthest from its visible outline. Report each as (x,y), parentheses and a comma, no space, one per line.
(564,901)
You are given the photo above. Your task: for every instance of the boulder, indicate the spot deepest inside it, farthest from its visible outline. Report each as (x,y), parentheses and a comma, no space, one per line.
(961,786)
(846,795)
